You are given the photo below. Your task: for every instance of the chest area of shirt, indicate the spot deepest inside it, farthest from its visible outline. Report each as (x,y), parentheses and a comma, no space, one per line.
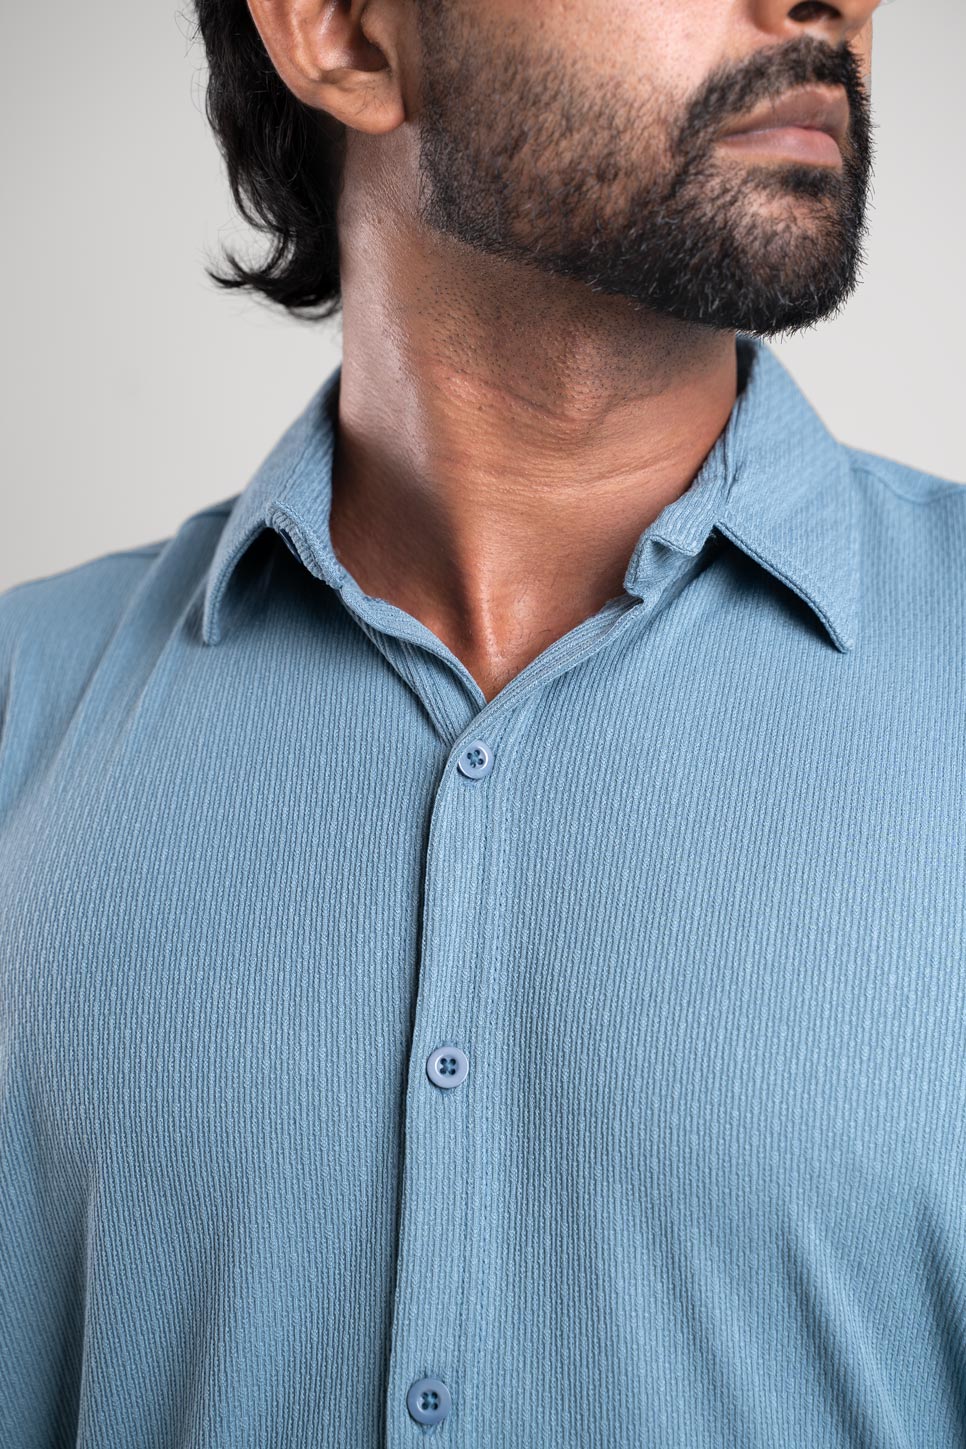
(716,951)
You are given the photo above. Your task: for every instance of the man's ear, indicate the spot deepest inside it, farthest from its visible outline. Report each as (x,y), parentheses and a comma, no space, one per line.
(339,56)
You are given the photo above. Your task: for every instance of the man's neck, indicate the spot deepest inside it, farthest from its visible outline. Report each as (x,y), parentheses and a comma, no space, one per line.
(495,492)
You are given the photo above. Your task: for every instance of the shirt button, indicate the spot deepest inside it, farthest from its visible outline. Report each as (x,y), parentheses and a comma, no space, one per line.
(428,1401)
(447,1066)
(476,760)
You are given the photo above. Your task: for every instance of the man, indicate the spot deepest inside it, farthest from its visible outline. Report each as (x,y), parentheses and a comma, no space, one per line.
(482,909)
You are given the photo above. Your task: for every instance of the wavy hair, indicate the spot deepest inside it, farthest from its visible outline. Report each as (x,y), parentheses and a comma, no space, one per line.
(285,163)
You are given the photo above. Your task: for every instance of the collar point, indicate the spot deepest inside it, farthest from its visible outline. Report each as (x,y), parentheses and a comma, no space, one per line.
(210,630)
(841,630)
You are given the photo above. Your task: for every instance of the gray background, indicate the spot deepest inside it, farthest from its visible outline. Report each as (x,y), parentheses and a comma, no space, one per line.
(135,392)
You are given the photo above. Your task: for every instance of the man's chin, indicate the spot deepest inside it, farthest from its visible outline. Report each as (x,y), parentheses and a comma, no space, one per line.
(766,306)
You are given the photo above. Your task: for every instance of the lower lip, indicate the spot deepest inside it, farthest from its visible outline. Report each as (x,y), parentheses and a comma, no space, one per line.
(800,143)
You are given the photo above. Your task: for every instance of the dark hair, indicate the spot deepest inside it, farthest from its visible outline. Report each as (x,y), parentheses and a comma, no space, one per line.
(285,165)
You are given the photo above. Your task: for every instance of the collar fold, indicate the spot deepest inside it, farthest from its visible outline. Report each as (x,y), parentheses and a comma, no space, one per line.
(776,483)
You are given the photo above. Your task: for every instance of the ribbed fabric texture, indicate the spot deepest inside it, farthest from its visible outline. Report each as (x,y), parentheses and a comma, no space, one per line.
(701,933)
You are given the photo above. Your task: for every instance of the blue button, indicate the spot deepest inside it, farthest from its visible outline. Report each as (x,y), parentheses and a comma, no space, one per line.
(476,760)
(428,1401)
(447,1066)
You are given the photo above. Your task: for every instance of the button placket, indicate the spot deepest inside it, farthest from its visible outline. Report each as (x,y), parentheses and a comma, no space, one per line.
(436,1295)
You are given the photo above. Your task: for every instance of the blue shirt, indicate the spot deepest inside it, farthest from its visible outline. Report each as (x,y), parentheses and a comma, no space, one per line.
(580,1068)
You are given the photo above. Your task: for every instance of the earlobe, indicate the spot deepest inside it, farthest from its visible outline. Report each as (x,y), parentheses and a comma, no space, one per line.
(326,59)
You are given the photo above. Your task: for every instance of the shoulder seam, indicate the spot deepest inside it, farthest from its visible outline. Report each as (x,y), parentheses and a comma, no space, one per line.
(143,551)
(217,510)
(946,490)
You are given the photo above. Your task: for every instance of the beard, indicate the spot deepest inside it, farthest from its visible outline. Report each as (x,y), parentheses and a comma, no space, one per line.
(525,160)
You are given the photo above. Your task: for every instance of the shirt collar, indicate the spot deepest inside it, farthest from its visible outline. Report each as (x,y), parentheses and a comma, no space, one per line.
(776,483)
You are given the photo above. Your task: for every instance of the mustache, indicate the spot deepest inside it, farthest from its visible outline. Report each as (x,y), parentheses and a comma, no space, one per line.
(732,89)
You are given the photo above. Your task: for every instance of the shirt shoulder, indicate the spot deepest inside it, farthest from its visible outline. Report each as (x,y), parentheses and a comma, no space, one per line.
(904,483)
(56,627)
(911,566)
(78,606)
(913,521)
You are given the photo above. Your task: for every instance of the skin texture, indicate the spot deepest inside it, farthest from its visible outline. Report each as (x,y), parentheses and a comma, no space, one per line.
(546,251)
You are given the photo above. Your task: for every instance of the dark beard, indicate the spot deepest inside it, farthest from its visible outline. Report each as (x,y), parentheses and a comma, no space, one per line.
(520,166)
